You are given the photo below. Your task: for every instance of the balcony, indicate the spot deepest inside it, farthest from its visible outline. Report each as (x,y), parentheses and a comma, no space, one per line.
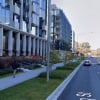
(53,30)
(33,21)
(57,12)
(24,26)
(43,27)
(16,25)
(42,14)
(16,9)
(52,24)
(34,8)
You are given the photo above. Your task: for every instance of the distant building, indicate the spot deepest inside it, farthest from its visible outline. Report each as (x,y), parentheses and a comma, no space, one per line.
(61,30)
(73,43)
(22,27)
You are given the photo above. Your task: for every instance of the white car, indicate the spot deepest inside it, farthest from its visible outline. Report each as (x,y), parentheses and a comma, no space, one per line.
(87,63)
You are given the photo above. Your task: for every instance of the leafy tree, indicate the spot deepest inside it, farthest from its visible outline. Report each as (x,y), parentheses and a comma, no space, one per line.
(54,56)
(69,56)
(83,48)
(86,47)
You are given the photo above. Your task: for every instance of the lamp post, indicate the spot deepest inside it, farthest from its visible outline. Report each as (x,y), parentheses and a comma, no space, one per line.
(48,37)
(53,28)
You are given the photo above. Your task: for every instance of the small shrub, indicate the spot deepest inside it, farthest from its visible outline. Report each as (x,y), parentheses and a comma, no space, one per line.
(57,74)
(5,71)
(37,66)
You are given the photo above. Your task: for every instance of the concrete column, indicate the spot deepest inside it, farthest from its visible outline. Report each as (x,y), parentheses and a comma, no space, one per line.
(34,45)
(24,45)
(45,48)
(10,43)
(11,12)
(37,31)
(29,45)
(41,48)
(21,16)
(18,44)
(37,46)
(1,41)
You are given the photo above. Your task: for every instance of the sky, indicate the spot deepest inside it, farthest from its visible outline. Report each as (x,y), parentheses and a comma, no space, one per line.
(84,16)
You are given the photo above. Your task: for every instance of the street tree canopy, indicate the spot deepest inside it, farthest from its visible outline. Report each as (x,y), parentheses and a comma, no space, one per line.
(83,48)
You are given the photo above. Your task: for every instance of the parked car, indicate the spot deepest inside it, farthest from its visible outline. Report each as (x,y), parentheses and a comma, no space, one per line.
(87,63)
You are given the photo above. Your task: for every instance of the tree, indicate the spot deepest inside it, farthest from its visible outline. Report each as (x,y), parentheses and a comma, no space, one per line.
(86,48)
(83,48)
(54,56)
(96,52)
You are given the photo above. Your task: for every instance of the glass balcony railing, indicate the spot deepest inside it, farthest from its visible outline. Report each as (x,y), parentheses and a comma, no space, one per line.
(42,14)
(33,19)
(33,31)
(16,25)
(24,26)
(34,7)
(16,9)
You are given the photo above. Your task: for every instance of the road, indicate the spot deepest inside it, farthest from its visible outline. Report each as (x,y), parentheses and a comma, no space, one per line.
(85,85)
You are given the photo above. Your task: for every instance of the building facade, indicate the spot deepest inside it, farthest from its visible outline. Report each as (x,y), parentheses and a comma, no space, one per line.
(73,43)
(22,27)
(61,30)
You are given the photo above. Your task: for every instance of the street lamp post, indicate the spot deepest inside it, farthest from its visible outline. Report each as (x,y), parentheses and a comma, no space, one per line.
(48,37)
(53,28)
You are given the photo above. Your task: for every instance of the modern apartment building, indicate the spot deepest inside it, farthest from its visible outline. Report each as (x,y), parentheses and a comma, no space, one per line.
(61,30)
(73,42)
(22,28)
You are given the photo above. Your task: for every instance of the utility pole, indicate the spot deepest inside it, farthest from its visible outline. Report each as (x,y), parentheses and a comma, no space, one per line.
(48,37)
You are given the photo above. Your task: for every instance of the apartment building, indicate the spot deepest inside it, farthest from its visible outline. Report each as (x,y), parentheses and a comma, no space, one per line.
(73,42)
(61,30)
(22,28)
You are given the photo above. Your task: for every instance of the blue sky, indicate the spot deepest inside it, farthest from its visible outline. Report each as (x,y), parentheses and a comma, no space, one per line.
(84,16)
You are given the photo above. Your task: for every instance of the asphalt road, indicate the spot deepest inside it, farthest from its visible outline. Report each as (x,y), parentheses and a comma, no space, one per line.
(85,85)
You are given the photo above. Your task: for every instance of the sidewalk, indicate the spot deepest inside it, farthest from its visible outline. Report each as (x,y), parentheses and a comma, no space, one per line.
(10,81)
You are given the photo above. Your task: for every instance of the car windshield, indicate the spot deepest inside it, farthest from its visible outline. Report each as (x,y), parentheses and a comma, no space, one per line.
(87,61)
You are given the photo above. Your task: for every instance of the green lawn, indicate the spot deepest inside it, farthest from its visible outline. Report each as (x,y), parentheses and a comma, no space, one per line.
(35,89)
(38,88)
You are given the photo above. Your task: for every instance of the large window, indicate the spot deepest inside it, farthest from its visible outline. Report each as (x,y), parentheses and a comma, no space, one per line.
(4,12)
(0,14)
(7,14)
(43,9)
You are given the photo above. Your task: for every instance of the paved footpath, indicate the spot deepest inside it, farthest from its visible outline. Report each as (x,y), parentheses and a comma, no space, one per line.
(10,81)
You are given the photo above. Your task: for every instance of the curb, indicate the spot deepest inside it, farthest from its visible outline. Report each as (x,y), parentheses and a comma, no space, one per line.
(57,92)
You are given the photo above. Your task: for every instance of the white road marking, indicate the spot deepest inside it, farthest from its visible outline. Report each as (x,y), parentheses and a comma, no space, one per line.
(82,94)
(85,96)
(86,99)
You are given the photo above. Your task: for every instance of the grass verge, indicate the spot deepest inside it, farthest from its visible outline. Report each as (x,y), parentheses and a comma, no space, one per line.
(38,88)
